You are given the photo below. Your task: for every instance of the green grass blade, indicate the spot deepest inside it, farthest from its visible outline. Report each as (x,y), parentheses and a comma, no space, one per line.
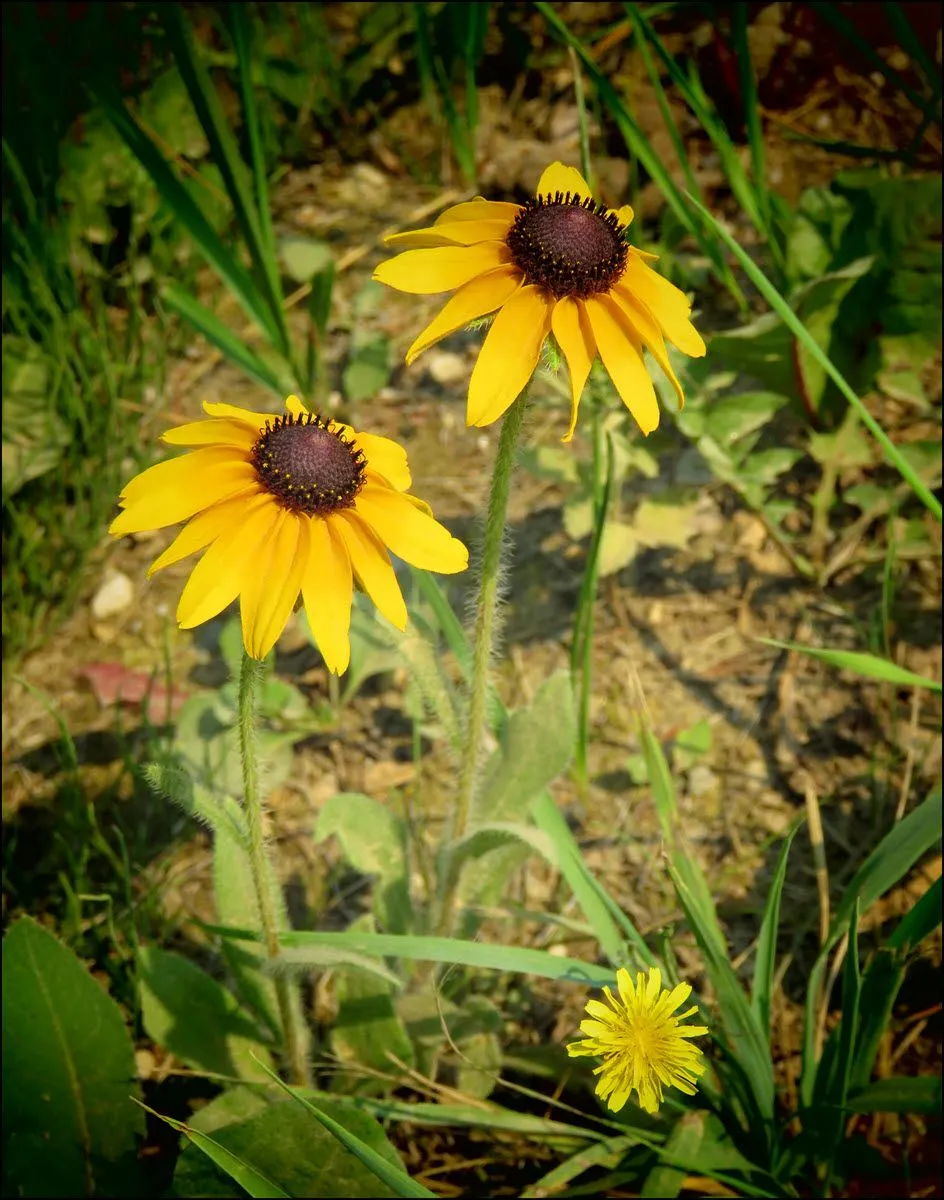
(248,1178)
(920,922)
(765,958)
(888,863)
(241,33)
(871,666)
(837,1095)
(899,1094)
(799,330)
(911,44)
(188,213)
(224,339)
(397,1180)
(225,152)
(603,914)
(514,959)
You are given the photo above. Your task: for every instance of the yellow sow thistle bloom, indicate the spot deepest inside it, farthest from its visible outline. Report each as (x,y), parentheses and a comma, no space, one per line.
(282,506)
(642,1044)
(558,264)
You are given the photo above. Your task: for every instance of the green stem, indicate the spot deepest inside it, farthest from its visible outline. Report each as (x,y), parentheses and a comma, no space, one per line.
(262,873)
(486,627)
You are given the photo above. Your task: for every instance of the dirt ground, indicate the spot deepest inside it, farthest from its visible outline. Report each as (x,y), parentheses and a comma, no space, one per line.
(681,625)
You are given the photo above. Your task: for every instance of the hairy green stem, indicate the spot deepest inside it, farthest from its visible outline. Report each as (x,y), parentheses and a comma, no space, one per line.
(262,873)
(486,627)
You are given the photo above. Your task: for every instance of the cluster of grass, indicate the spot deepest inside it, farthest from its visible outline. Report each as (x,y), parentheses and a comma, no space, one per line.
(84,340)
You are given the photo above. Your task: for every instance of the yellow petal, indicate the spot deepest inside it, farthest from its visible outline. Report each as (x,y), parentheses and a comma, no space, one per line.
(476,298)
(624,215)
(409,533)
(509,354)
(177,495)
(479,210)
(268,597)
(571,327)
(227,566)
(648,332)
(422,272)
(385,457)
(372,565)
(668,305)
(217,432)
(205,527)
(256,420)
(622,357)
(558,178)
(327,591)
(294,406)
(453,233)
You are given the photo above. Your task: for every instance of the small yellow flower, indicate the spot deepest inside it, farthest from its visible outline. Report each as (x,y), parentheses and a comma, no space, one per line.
(557,264)
(642,1044)
(281,506)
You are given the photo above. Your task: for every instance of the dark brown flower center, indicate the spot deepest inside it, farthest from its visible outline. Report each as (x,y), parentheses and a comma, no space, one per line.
(308,465)
(568,244)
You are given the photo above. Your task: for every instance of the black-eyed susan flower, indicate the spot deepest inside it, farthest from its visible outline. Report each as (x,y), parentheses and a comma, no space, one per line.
(642,1045)
(286,506)
(559,264)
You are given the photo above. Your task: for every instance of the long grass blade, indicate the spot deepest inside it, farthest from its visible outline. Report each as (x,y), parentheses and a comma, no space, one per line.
(765,958)
(870,666)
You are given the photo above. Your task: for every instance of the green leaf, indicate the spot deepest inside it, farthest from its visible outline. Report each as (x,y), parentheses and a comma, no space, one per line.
(868,665)
(683,1143)
(34,436)
(367,1033)
(765,957)
(368,368)
(899,1094)
(816,354)
(374,842)
(193,1017)
(304,257)
(194,1176)
(741,415)
(69,1125)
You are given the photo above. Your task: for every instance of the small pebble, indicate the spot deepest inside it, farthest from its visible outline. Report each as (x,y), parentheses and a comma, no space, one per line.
(113,597)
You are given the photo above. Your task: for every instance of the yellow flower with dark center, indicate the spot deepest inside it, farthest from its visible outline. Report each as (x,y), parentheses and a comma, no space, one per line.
(558,264)
(282,506)
(642,1044)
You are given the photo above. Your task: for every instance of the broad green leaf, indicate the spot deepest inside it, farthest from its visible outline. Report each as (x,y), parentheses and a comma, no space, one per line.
(868,665)
(475,1033)
(368,368)
(70,1126)
(234,1104)
(195,1177)
(684,1142)
(283,1144)
(741,415)
(359,1143)
(494,835)
(191,1015)
(304,257)
(34,436)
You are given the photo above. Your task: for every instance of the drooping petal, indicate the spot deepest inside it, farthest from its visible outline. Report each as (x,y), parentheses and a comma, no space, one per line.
(624,215)
(180,493)
(558,178)
(622,357)
(422,272)
(409,533)
(509,354)
(372,565)
(227,566)
(571,327)
(267,600)
(206,527)
(668,305)
(327,592)
(453,233)
(648,332)
(294,407)
(474,299)
(216,432)
(256,420)
(479,210)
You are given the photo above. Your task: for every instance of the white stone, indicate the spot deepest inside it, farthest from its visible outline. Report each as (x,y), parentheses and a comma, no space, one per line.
(113,596)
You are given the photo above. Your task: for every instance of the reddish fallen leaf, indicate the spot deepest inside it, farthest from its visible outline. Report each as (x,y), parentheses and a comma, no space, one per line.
(112,683)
